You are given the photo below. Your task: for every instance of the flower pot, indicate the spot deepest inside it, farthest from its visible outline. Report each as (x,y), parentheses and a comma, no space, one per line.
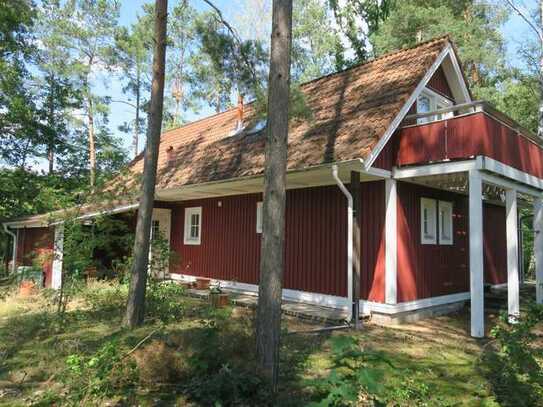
(219,300)
(187,284)
(202,284)
(27,288)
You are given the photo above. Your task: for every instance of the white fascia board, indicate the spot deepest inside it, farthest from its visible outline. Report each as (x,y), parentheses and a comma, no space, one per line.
(405,109)
(449,167)
(507,184)
(367,307)
(507,171)
(460,76)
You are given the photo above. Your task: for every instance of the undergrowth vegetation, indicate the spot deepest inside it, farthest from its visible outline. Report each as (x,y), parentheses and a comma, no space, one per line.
(189,353)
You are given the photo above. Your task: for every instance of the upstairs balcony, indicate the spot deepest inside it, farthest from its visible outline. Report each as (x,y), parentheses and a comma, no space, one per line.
(466,131)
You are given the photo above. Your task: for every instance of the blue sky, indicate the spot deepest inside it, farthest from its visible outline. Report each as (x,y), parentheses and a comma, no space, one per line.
(515,32)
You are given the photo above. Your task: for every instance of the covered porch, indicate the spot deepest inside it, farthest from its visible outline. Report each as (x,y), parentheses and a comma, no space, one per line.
(483,179)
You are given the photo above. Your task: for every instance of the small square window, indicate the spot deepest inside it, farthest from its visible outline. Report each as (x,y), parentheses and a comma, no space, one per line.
(193,226)
(445,222)
(259,217)
(428,221)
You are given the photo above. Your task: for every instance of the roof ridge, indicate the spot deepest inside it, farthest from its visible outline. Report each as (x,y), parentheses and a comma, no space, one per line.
(386,55)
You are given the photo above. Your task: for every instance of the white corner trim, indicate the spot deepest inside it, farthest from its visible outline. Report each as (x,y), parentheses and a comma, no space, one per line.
(391,242)
(460,76)
(58,254)
(405,109)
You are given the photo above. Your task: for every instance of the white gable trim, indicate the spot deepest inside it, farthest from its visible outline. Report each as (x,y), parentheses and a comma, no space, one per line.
(448,51)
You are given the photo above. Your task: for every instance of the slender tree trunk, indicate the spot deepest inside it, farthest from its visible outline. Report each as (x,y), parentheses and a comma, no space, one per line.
(135,309)
(51,143)
(268,323)
(92,146)
(137,125)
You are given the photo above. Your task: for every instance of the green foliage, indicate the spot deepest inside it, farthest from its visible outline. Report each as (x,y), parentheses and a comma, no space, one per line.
(514,364)
(353,378)
(163,301)
(102,374)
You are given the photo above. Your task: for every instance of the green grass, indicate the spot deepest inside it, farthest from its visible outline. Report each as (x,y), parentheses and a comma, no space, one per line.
(431,363)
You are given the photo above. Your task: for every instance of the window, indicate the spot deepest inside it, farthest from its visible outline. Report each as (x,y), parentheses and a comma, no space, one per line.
(428,221)
(155,229)
(429,101)
(259,217)
(193,225)
(445,222)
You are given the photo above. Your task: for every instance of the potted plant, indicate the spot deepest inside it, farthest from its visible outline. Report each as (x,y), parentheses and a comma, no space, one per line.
(202,283)
(217,297)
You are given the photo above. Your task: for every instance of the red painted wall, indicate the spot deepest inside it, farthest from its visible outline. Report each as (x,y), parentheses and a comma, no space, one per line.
(466,136)
(495,244)
(36,243)
(432,270)
(315,255)
(439,83)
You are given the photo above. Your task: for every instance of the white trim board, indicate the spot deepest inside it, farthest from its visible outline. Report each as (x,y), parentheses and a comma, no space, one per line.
(332,301)
(447,51)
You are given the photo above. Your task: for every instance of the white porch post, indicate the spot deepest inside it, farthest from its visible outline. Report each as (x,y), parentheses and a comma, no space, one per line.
(476,254)
(538,248)
(391,242)
(512,254)
(58,253)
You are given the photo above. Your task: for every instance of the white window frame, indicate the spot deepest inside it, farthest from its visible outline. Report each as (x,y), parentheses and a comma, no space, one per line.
(429,206)
(187,239)
(437,102)
(445,237)
(259,217)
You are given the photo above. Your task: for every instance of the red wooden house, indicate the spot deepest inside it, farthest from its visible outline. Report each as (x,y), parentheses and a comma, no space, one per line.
(396,164)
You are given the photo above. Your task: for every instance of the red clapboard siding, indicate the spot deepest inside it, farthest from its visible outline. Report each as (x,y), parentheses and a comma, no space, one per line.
(495,244)
(316,246)
(430,270)
(466,136)
(36,244)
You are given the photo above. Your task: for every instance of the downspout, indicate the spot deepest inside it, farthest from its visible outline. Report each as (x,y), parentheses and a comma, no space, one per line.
(349,197)
(14,255)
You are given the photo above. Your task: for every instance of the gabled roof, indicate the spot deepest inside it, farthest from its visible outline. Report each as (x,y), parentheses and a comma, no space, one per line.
(350,112)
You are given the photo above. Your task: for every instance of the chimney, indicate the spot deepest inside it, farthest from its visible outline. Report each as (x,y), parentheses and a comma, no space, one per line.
(170,155)
(239,124)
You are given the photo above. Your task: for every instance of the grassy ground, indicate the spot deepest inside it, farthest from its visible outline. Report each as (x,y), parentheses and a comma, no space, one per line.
(206,357)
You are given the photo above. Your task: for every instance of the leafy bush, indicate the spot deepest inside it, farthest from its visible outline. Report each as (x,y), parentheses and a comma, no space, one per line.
(514,362)
(164,301)
(105,297)
(101,375)
(352,381)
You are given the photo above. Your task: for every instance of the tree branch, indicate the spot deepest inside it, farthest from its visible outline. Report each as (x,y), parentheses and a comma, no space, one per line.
(235,35)
(125,102)
(525,17)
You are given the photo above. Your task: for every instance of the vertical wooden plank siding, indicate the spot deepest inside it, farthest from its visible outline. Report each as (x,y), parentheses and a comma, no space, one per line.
(316,249)
(495,244)
(467,136)
(432,270)
(35,245)
(439,83)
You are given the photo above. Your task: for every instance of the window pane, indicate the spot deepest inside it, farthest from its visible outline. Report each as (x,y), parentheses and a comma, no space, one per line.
(423,105)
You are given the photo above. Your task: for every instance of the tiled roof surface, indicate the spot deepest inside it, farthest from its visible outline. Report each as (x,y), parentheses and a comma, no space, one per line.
(350,112)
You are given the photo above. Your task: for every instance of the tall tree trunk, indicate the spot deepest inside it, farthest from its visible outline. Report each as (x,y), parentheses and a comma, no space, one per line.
(92,146)
(268,323)
(51,119)
(137,125)
(135,309)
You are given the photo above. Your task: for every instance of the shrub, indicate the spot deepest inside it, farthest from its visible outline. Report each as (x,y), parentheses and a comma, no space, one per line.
(103,374)
(352,381)
(164,301)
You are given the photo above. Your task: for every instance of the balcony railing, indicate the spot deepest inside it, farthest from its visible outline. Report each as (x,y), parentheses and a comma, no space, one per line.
(476,129)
